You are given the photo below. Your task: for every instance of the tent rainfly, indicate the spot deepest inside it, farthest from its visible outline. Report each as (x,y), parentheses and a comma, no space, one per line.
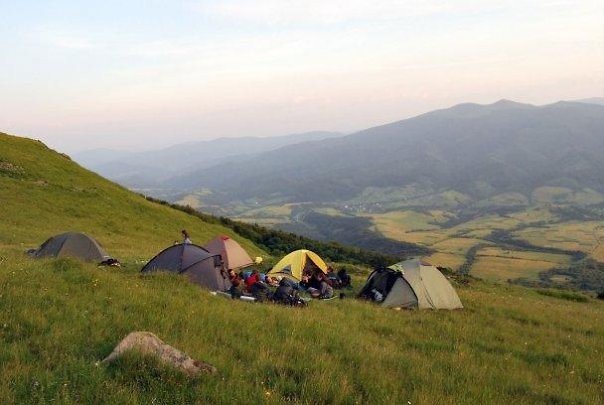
(411,284)
(73,244)
(233,255)
(199,265)
(296,263)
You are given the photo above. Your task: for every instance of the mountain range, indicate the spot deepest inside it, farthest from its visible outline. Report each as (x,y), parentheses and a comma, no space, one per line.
(476,151)
(149,168)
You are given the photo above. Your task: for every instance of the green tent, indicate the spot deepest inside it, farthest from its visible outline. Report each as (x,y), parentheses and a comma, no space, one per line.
(411,284)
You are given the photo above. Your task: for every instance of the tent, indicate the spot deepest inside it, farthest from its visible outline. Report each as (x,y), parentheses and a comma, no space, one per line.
(296,263)
(199,265)
(411,284)
(73,244)
(233,255)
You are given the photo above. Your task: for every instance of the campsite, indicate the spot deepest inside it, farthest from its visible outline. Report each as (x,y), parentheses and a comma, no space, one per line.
(302,202)
(62,316)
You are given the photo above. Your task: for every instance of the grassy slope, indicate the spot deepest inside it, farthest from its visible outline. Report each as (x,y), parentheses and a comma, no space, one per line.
(59,317)
(54,194)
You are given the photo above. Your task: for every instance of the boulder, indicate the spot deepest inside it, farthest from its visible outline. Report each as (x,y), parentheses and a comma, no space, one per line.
(148,343)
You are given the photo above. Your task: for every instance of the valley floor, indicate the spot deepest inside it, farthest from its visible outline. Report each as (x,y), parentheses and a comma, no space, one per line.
(538,245)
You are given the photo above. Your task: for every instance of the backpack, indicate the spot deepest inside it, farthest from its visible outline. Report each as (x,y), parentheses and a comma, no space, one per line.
(283,292)
(287,295)
(260,291)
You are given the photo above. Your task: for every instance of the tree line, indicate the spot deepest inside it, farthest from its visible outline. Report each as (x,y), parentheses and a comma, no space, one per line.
(279,243)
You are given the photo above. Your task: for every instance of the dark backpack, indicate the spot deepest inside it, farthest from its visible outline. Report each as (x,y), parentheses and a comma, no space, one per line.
(260,291)
(344,278)
(283,292)
(286,294)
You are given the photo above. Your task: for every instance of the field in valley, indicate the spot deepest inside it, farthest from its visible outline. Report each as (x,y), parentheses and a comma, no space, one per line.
(470,240)
(493,259)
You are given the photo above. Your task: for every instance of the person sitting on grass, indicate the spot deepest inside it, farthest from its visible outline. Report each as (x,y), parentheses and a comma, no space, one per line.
(272,282)
(260,291)
(251,280)
(306,284)
(333,278)
(319,287)
(237,285)
(345,281)
(325,288)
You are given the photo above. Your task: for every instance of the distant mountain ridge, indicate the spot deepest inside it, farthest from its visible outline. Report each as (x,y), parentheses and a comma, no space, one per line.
(477,150)
(592,100)
(142,169)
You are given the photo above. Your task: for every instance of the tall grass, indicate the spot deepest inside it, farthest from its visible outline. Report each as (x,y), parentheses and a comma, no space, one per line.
(60,317)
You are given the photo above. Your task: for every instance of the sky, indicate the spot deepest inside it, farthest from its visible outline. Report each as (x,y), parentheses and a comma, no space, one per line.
(133,74)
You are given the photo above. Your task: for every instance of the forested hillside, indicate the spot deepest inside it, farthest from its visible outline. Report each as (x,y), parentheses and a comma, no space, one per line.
(479,151)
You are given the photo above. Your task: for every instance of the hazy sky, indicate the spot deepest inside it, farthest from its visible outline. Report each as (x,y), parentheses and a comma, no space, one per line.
(129,73)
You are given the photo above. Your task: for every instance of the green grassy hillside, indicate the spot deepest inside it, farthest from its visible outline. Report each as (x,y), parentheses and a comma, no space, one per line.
(44,193)
(59,317)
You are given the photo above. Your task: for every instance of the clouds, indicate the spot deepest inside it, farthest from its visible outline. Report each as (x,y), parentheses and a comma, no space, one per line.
(63,39)
(322,12)
(287,12)
(225,67)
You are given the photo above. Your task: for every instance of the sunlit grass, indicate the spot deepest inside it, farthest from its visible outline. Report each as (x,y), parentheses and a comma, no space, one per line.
(598,253)
(451,260)
(494,263)
(60,317)
(503,269)
(584,236)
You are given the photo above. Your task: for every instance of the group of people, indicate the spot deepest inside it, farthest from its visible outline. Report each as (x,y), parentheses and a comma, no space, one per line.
(282,289)
(318,284)
(251,283)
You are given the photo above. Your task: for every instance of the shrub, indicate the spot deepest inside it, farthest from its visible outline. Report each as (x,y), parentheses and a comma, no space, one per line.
(565,295)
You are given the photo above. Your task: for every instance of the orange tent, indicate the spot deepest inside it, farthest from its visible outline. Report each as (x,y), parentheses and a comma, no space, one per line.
(233,255)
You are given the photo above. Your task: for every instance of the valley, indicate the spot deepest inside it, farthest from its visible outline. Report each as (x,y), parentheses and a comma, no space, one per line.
(550,234)
(503,191)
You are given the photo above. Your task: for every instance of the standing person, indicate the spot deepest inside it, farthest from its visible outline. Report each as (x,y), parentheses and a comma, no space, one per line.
(185,236)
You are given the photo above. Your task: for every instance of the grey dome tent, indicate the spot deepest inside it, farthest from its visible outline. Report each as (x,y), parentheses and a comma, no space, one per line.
(199,265)
(411,284)
(73,244)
